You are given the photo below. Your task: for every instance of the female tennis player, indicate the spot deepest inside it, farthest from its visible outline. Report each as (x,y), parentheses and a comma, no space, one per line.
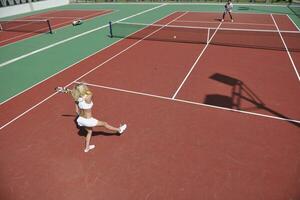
(228,9)
(83,100)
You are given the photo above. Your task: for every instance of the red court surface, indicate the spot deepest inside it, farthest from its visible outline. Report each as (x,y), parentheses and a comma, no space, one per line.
(204,122)
(57,18)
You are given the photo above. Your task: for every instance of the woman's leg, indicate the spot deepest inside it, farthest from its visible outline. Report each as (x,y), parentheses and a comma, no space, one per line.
(107,126)
(88,139)
(230,16)
(120,130)
(223,16)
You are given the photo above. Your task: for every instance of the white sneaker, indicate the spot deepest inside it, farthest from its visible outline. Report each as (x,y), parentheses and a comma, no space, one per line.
(232,20)
(122,128)
(90,148)
(222,20)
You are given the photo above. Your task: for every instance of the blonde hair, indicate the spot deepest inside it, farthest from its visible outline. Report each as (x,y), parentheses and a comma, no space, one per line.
(79,90)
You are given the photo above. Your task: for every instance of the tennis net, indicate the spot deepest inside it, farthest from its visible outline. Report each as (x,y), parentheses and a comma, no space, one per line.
(247,38)
(35,26)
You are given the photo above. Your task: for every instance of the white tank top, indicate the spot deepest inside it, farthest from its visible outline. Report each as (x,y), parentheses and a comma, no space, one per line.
(84,105)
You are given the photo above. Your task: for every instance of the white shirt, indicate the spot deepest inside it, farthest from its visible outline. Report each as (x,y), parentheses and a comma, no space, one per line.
(84,105)
(228,7)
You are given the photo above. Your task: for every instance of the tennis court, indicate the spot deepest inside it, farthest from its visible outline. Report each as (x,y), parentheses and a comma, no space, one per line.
(212,107)
(19,29)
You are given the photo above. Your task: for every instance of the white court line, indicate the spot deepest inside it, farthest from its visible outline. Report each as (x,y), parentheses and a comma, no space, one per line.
(293,22)
(198,58)
(191,102)
(68,22)
(74,37)
(213,22)
(22,114)
(286,48)
(28,110)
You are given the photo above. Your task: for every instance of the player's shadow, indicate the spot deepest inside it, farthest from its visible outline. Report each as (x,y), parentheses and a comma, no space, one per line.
(240,92)
(82,131)
(218,19)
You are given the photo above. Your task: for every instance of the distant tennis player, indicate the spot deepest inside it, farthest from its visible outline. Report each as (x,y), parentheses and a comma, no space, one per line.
(228,9)
(83,99)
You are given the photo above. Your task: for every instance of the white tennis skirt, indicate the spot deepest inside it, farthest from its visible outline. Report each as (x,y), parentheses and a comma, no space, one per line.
(87,122)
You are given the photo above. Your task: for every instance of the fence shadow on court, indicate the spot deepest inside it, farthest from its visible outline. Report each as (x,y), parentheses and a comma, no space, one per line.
(82,132)
(240,92)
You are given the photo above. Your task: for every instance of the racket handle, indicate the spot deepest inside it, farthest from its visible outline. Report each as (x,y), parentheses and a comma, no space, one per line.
(61,89)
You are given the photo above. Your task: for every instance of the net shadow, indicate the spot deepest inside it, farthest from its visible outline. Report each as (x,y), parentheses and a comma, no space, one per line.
(238,87)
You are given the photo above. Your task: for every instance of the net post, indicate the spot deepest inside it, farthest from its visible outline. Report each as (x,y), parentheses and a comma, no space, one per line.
(110,30)
(50,29)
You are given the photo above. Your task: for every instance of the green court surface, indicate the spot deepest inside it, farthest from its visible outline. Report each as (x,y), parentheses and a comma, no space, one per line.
(26,63)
